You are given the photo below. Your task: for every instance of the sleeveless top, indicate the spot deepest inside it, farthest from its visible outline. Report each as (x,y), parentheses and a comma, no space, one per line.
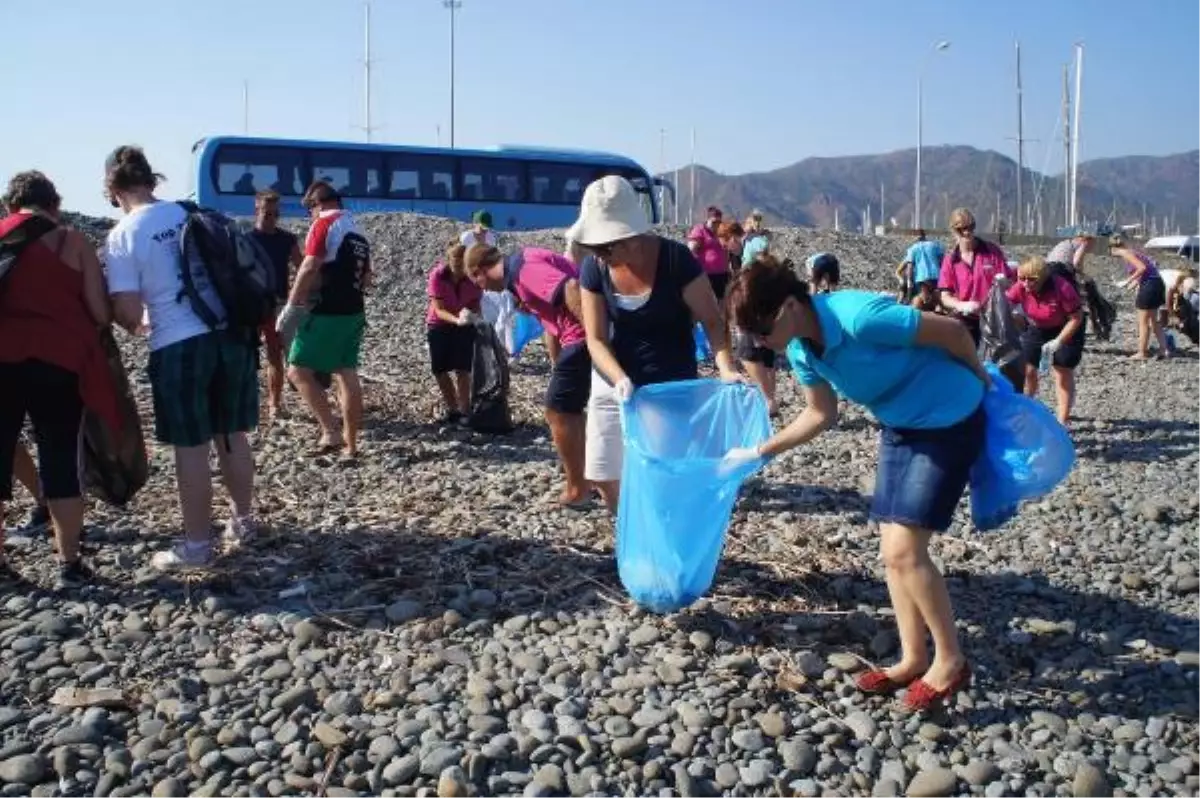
(43,317)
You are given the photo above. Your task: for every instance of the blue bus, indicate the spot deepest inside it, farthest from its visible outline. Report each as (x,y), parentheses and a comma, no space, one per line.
(524,188)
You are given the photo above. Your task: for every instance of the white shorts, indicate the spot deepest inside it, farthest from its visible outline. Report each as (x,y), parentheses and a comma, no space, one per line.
(605,449)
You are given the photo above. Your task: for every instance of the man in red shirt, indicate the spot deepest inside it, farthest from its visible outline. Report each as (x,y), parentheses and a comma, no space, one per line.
(337,268)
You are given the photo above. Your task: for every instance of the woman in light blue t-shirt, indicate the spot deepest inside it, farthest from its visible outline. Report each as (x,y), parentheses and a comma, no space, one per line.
(918,374)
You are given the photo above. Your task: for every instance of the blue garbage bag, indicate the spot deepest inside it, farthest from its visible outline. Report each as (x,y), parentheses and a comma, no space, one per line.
(1026,454)
(526,328)
(703,350)
(676,499)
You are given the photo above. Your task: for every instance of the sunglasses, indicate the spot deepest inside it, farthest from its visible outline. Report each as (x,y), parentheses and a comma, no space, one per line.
(603,251)
(965,230)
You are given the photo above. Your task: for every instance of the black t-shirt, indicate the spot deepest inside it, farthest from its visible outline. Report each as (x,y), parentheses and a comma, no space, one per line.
(653,343)
(279,246)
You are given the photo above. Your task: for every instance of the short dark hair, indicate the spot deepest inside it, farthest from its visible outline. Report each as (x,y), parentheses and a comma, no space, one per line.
(31,189)
(127,168)
(321,191)
(267,196)
(759,291)
(921,234)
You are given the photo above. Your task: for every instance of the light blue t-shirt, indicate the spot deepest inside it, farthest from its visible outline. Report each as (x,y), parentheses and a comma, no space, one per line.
(753,247)
(926,258)
(871,358)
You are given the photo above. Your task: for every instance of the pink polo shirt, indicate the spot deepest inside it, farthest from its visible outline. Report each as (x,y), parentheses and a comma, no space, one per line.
(454,296)
(1052,307)
(712,256)
(540,287)
(971,283)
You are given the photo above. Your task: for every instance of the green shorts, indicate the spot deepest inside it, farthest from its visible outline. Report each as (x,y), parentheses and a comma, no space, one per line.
(328,343)
(203,387)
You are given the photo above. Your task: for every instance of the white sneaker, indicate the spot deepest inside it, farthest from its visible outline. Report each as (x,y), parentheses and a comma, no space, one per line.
(182,556)
(239,531)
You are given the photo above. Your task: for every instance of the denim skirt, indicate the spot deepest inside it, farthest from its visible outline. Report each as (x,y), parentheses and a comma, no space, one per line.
(922,473)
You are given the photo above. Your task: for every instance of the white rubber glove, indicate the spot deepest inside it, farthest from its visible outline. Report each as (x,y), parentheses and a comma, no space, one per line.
(1001,279)
(466,318)
(624,390)
(737,458)
(289,320)
(1050,347)
(969,308)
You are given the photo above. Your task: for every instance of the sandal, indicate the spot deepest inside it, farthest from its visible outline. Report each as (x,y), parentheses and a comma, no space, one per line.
(877,682)
(923,698)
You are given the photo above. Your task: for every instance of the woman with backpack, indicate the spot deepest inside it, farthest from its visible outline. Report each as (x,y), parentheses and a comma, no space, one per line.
(641,296)
(1150,294)
(1053,313)
(52,365)
(204,381)
(449,331)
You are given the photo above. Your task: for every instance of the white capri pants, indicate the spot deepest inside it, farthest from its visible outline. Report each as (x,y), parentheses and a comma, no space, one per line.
(605,450)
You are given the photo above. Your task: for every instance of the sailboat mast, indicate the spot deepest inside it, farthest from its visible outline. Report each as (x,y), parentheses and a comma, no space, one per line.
(1075,132)
(1066,145)
(1020,148)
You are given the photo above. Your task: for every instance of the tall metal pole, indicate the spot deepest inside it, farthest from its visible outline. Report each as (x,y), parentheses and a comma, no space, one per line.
(882,209)
(246,107)
(937,48)
(691,202)
(1066,112)
(367,71)
(920,126)
(1075,133)
(453,5)
(1020,148)
(662,170)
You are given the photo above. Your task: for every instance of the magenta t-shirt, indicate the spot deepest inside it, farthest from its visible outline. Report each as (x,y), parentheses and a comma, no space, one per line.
(541,281)
(1052,307)
(971,283)
(712,255)
(454,296)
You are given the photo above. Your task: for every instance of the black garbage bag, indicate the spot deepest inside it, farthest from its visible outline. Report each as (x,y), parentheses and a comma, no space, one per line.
(115,464)
(490,411)
(1000,338)
(1102,313)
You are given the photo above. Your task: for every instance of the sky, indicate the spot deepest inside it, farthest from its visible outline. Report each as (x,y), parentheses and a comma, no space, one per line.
(764,83)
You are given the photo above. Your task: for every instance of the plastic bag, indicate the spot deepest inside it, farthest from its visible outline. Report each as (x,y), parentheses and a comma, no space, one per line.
(525,328)
(490,411)
(999,338)
(703,350)
(675,500)
(1026,454)
(115,465)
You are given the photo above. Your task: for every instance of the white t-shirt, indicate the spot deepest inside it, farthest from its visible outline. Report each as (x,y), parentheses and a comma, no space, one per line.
(468,239)
(143,255)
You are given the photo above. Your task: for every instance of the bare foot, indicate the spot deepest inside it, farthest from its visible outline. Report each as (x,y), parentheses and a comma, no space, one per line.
(944,672)
(575,497)
(906,671)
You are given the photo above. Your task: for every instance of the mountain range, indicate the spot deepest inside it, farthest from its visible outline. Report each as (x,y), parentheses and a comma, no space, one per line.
(1162,191)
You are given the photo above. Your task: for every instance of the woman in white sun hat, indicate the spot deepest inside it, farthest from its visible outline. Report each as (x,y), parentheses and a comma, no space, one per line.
(642,294)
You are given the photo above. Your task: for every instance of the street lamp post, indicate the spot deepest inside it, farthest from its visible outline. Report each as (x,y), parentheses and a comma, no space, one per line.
(453,5)
(941,46)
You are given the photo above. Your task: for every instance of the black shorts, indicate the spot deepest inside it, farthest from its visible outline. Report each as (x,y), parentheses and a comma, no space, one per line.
(749,352)
(451,348)
(49,395)
(1151,294)
(1067,357)
(570,380)
(826,269)
(719,283)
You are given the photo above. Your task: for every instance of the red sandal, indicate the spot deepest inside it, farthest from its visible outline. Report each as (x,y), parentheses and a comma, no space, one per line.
(877,682)
(922,698)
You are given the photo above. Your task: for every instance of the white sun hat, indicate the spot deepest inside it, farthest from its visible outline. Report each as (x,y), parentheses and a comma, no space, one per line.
(611,210)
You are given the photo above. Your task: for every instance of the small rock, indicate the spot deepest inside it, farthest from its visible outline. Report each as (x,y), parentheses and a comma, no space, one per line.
(932,783)
(846,663)
(401,771)
(307,633)
(1090,780)
(168,788)
(727,775)
(217,677)
(773,724)
(452,783)
(979,772)
(862,725)
(749,740)
(799,756)
(329,736)
(403,611)
(628,747)
(22,769)
(756,774)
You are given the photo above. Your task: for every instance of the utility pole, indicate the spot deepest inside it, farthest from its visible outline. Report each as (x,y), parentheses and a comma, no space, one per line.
(1020,146)
(882,211)
(1066,113)
(367,128)
(662,170)
(1075,133)
(246,107)
(692,198)
(453,5)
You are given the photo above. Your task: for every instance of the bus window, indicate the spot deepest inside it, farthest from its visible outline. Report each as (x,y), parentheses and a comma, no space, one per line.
(558,184)
(492,180)
(246,170)
(420,177)
(353,173)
